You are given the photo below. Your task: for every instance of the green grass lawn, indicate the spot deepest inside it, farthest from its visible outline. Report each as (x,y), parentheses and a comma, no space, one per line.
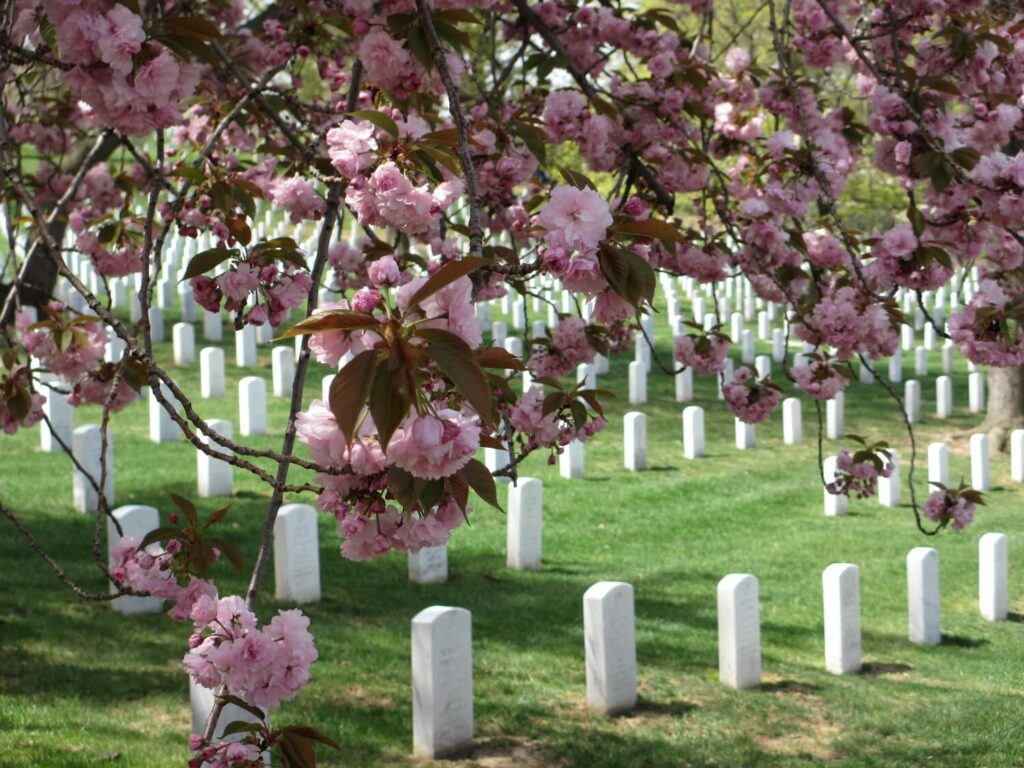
(82,686)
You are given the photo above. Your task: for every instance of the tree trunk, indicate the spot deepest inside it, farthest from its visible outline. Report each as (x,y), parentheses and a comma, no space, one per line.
(1005,405)
(38,275)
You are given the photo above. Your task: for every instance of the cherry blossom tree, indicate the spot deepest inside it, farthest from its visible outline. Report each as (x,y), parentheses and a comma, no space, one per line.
(470,149)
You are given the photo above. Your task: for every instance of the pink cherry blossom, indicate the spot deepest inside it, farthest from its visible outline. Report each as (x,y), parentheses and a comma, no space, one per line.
(435,446)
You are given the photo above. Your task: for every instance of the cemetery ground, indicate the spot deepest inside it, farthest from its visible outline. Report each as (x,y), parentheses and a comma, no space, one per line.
(83,686)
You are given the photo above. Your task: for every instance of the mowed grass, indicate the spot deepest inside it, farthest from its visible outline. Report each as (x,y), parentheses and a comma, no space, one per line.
(82,686)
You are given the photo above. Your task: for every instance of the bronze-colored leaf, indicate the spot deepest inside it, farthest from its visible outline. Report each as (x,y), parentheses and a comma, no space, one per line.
(446,275)
(388,405)
(653,228)
(456,360)
(497,357)
(349,391)
(206,260)
(482,481)
(331,320)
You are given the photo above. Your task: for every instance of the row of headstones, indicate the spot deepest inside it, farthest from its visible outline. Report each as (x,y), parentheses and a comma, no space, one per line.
(572,465)
(442,663)
(297,547)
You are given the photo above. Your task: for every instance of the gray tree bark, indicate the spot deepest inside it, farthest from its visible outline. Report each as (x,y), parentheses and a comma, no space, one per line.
(1005,411)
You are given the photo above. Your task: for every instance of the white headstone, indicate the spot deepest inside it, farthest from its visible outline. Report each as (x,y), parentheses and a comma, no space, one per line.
(296,554)
(976,392)
(202,700)
(213,328)
(684,385)
(188,303)
(912,401)
(114,349)
(62,420)
(156,324)
(1017,455)
(442,681)
(841,588)
(938,464)
(725,376)
(499,331)
(693,432)
(162,428)
(920,361)
(923,596)
(211,372)
(746,435)
(866,374)
(252,406)
(993,593)
(283,370)
(778,345)
(429,565)
(245,347)
(184,338)
(739,631)
(944,397)
(610,640)
(836,504)
(763,366)
(947,358)
(889,487)
(497,459)
(747,353)
(87,445)
(136,521)
(763,325)
(570,462)
(896,367)
(835,416)
(215,476)
(980,476)
(525,524)
(635,441)
(792,421)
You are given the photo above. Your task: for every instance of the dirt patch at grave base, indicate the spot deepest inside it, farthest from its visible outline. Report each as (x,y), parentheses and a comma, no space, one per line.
(496,753)
(810,735)
(364,698)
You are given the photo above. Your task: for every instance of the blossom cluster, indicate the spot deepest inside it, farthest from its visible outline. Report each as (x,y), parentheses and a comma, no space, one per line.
(123,79)
(264,665)
(276,291)
(551,430)
(705,353)
(856,474)
(751,400)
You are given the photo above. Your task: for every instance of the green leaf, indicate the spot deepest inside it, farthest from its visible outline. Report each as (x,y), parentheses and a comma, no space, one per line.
(206,260)
(446,275)
(379,119)
(482,481)
(456,360)
(349,391)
